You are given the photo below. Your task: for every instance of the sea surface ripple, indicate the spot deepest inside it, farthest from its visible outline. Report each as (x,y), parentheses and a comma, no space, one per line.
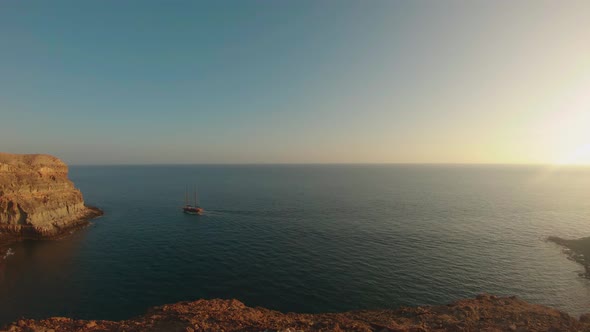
(307,238)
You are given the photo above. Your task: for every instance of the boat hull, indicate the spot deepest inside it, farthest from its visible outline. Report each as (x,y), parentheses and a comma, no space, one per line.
(192,210)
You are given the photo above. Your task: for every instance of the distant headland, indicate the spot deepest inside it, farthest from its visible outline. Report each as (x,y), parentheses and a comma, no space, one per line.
(577,250)
(37,200)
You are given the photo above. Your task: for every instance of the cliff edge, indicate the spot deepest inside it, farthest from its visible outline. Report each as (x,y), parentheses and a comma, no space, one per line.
(484,313)
(37,199)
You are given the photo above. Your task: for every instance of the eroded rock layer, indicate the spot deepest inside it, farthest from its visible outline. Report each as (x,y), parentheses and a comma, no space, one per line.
(36,197)
(484,313)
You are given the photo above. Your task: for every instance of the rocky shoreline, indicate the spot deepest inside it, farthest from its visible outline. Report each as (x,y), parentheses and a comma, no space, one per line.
(576,250)
(92,212)
(38,200)
(484,313)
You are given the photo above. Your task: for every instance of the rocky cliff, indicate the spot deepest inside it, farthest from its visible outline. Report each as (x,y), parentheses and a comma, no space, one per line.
(484,313)
(36,197)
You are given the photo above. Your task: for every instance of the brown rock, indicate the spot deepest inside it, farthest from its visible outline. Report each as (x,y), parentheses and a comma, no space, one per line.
(486,314)
(37,199)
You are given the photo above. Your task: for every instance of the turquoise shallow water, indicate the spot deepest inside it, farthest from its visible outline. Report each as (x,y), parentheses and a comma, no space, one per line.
(308,239)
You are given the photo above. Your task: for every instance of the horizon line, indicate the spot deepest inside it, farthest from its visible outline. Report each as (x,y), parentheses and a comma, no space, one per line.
(335,164)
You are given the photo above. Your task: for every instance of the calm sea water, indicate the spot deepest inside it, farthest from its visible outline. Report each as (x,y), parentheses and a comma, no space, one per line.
(307,239)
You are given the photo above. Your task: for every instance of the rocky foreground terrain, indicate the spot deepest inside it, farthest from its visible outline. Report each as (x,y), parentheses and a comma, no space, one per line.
(37,200)
(484,313)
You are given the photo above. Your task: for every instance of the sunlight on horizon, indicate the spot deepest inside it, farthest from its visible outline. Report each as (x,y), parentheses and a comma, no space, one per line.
(570,126)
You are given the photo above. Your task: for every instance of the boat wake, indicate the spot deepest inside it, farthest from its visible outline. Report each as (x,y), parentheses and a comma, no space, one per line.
(260,213)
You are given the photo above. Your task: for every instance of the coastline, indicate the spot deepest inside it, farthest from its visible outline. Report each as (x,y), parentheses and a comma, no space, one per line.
(92,212)
(483,313)
(577,250)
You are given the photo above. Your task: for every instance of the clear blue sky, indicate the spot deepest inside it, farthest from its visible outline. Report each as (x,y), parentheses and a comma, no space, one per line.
(131,82)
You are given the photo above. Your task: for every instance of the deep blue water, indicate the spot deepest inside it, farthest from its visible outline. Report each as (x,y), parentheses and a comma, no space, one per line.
(307,239)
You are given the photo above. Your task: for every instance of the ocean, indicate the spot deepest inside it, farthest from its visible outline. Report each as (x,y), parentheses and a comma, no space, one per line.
(307,238)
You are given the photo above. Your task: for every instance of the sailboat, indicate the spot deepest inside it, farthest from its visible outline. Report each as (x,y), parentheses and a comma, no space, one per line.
(191,209)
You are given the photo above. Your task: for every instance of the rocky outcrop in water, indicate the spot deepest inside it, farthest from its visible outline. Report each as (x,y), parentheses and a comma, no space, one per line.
(484,313)
(576,250)
(37,199)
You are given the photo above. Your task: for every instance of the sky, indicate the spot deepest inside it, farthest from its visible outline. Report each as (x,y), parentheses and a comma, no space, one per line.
(166,82)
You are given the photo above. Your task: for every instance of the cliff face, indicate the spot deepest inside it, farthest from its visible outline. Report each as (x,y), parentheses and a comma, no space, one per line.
(484,313)
(36,197)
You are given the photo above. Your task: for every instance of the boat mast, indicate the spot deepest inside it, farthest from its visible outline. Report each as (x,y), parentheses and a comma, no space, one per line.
(186,196)
(196,196)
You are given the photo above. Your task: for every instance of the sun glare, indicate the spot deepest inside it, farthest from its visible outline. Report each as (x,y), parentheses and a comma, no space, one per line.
(579,156)
(567,128)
